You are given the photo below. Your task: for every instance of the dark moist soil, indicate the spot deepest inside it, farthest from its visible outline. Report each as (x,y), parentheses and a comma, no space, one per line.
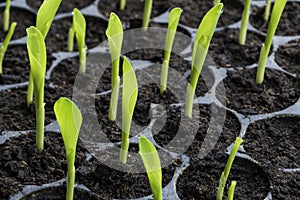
(226,51)
(277,92)
(194,11)
(24,19)
(134,10)
(287,57)
(288,24)
(16,65)
(57,37)
(65,6)
(200,180)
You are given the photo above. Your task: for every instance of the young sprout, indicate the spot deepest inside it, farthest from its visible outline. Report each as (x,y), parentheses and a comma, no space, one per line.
(4,46)
(226,171)
(122,4)
(6,16)
(172,26)
(200,49)
(71,35)
(216,2)
(147,14)
(44,20)
(265,49)
(152,165)
(245,19)
(69,119)
(79,25)
(114,34)
(129,96)
(231,190)
(267,10)
(37,57)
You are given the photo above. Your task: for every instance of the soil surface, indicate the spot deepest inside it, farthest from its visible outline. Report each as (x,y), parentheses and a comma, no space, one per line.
(65,6)
(24,19)
(287,57)
(277,92)
(288,24)
(231,12)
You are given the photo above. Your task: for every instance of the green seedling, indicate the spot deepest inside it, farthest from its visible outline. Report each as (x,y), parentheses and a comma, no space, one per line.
(44,20)
(216,2)
(79,25)
(244,25)
(147,14)
(200,49)
(71,35)
(122,4)
(129,96)
(69,119)
(172,27)
(231,190)
(4,46)
(265,49)
(267,10)
(37,57)
(114,34)
(225,173)
(152,165)
(6,16)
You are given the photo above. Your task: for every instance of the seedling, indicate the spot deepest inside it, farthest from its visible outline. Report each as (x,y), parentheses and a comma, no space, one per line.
(79,25)
(4,46)
(44,20)
(231,190)
(172,26)
(245,20)
(265,49)
(216,2)
(71,35)
(152,165)
(69,119)
(114,34)
(129,96)
(226,171)
(6,16)
(122,4)
(147,14)
(200,49)
(37,57)
(267,10)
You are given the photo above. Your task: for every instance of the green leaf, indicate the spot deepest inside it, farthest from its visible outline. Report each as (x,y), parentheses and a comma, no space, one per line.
(79,27)
(69,119)
(152,165)
(37,56)
(46,15)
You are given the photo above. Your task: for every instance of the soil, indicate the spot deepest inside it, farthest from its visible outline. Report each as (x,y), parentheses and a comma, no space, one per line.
(65,6)
(287,57)
(226,51)
(24,19)
(231,12)
(288,24)
(277,92)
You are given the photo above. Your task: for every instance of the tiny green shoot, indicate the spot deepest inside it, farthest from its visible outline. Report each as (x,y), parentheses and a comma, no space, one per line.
(147,14)
(80,28)
(231,190)
(225,173)
(37,57)
(172,27)
(71,35)
(44,20)
(69,119)
(129,97)
(152,165)
(267,10)
(4,45)
(244,24)
(202,40)
(265,49)
(114,34)
(216,2)
(122,4)
(6,16)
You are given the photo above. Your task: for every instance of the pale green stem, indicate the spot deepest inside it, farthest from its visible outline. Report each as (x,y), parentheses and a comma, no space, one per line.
(40,119)
(6,16)
(216,2)
(164,76)
(115,86)
(244,25)
(30,90)
(267,10)
(124,147)
(122,4)
(261,65)
(82,60)
(71,34)
(1,59)
(147,14)
(189,101)
(70,181)
(231,190)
